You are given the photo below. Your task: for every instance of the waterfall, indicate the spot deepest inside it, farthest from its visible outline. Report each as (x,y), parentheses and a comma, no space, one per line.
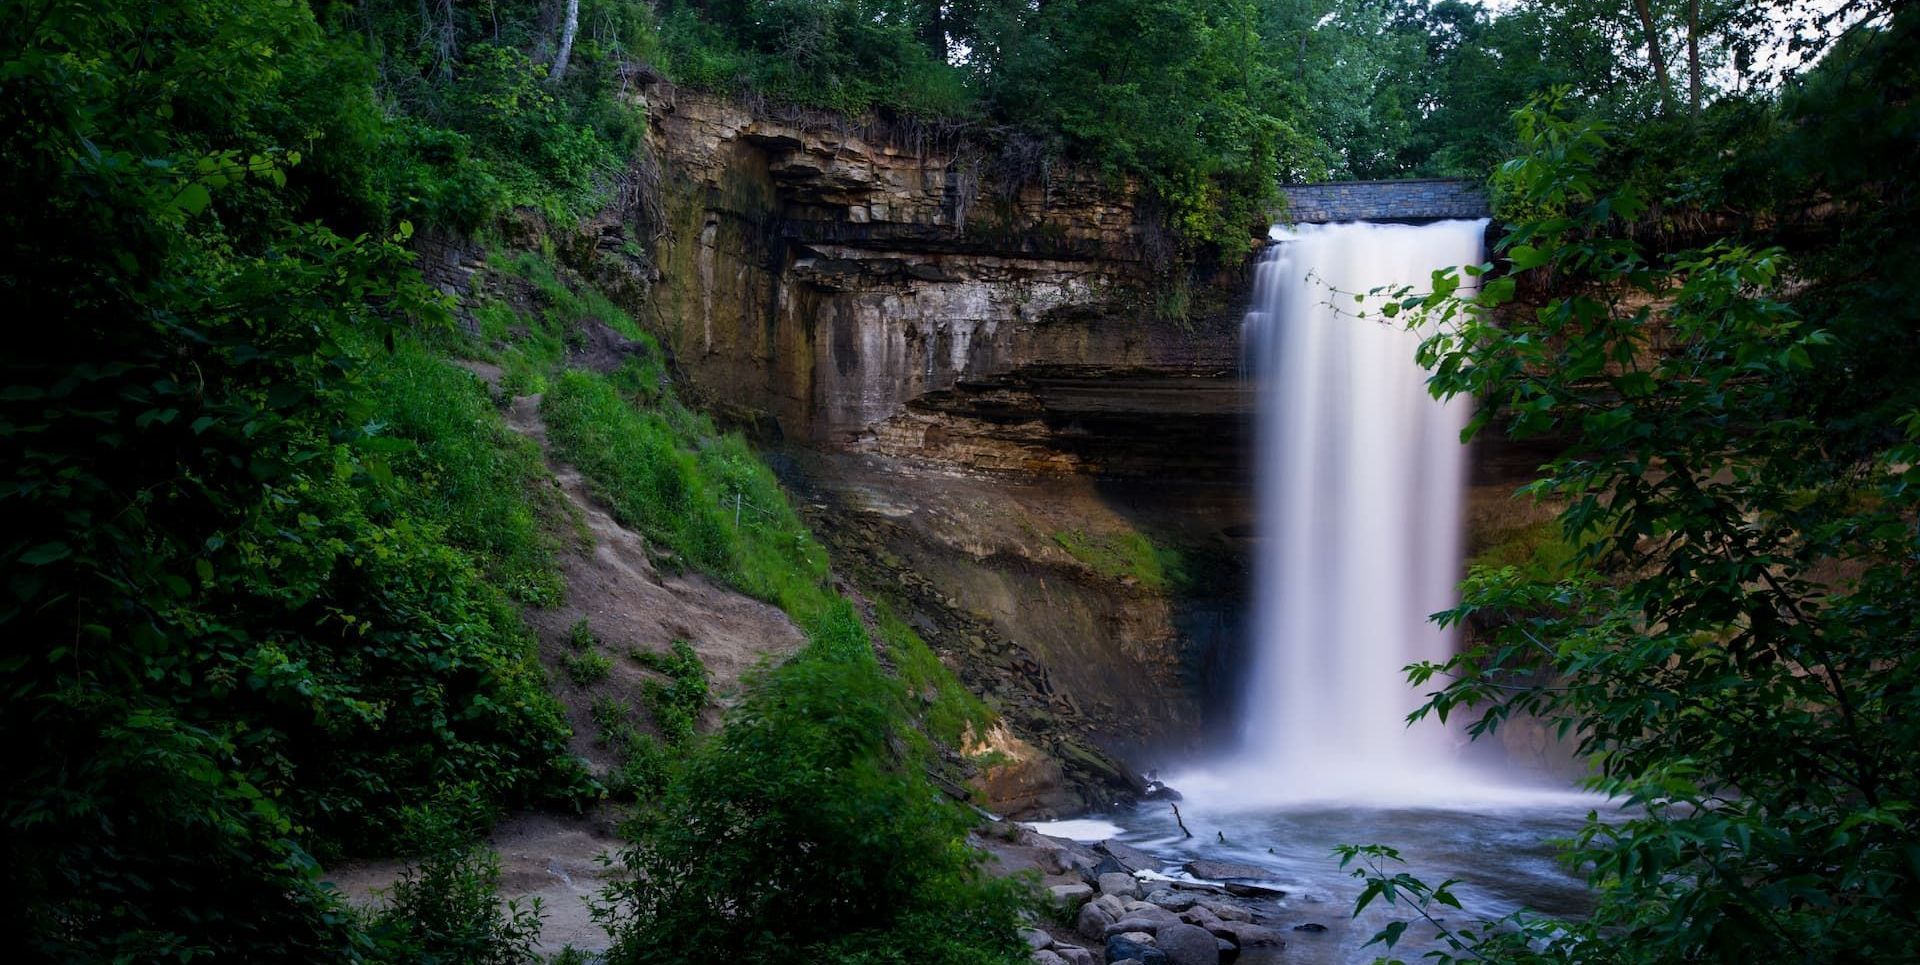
(1361,478)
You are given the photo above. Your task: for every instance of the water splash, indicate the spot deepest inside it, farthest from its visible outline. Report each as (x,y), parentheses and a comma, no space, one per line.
(1361,478)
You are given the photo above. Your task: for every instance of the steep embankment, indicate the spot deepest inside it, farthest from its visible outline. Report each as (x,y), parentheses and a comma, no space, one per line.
(968,354)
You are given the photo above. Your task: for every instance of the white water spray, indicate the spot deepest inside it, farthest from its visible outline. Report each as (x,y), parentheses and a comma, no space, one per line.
(1361,477)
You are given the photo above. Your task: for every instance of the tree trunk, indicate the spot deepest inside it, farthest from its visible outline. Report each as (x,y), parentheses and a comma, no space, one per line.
(933,30)
(1645,9)
(567,30)
(1693,57)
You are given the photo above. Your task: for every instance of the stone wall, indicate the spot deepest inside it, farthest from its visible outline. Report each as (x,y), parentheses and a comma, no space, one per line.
(1413,199)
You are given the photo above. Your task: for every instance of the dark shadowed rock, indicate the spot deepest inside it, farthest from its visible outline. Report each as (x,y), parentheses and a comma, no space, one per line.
(1188,945)
(1241,889)
(1221,870)
(1093,921)
(1246,934)
(1313,927)
(1121,947)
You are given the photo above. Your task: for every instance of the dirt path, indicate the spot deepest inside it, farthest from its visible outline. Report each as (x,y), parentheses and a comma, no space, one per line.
(630,605)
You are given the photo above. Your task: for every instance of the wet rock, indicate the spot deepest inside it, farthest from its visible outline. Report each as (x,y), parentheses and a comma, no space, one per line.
(1241,889)
(1219,870)
(1188,945)
(1117,883)
(1092,921)
(1071,896)
(1137,947)
(1312,927)
(1036,939)
(1229,952)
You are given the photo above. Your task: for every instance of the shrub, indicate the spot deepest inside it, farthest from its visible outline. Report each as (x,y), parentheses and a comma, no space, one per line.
(446,906)
(806,830)
(587,668)
(676,704)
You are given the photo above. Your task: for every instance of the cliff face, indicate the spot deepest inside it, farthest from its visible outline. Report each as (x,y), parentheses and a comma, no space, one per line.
(963,354)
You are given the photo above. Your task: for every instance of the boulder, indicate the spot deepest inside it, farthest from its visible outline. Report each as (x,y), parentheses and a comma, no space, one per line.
(1074,954)
(1144,925)
(1120,883)
(1172,900)
(1044,957)
(1151,912)
(1229,952)
(1093,921)
(1071,896)
(1131,858)
(1246,934)
(1188,945)
(1036,939)
(1199,915)
(1241,889)
(1219,870)
(1115,907)
(1123,947)
(1227,911)
(1312,927)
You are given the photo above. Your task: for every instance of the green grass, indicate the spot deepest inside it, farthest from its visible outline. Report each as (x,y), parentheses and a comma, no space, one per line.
(485,484)
(671,476)
(947,709)
(1127,555)
(677,702)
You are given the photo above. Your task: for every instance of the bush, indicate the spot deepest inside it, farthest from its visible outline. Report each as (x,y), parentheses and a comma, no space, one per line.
(446,907)
(676,704)
(805,830)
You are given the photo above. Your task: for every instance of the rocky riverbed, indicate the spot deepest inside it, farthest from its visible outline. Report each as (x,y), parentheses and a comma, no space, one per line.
(1113,904)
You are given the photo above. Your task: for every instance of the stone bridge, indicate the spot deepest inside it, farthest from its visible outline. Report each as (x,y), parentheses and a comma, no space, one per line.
(1410,200)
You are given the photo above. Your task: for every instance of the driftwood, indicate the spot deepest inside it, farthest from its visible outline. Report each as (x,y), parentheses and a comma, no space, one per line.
(1177,820)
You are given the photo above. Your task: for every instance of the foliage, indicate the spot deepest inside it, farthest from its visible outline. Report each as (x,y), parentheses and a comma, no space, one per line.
(246,607)
(1732,647)
(677,703)
(446,907)
(587,667)
(947,710)
(1125,555)
(672,477)
(805,829)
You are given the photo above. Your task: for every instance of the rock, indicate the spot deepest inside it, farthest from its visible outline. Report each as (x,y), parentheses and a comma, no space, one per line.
(1044,957)
(1124,885)
(1240,889)
(1036,939)
(1172,900)
(1123,947)
(1125,925)
(1093,921)
(1312,927)
(1130,858)
(1218,870)
(1199,915)
(1053,861)
(1150,911)
(1246,934)
(1188,945)
(1203,887)
(1074,954)
(1229,952)
(1227,911)
(1071,896)
(1115,907)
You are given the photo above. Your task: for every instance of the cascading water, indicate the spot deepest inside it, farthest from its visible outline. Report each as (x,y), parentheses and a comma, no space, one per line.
(1361,479)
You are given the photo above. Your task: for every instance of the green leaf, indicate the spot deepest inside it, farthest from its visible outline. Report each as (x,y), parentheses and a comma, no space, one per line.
(192,199)
(46,553)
